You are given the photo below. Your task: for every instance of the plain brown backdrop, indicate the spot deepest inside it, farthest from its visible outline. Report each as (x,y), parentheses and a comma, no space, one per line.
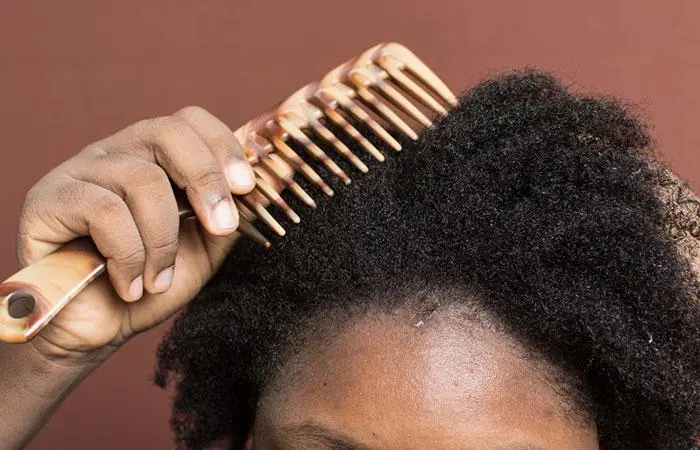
(72,72)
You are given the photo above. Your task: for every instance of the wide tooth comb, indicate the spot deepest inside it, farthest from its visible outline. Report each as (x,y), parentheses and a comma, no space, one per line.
(293,159)
(256,151)
(364,75)
(246,227)
(362,95)
(333,93)
(274,173)
(386,112)
(255,203)
(352,132)
(393,67)
(375,77)
(269,167)
(259,144)
(407,61)
(288,124)
(275,198)
(326,134)
(305,115)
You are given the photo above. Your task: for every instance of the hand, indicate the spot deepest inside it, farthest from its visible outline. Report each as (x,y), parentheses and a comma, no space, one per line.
(118,192)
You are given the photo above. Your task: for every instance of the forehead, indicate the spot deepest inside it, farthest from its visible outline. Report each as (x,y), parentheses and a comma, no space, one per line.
(394,382)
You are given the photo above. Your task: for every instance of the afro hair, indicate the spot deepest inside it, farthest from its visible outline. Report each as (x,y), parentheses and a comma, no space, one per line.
(547,203)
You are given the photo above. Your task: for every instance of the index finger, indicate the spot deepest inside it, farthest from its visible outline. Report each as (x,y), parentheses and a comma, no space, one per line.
(223,145)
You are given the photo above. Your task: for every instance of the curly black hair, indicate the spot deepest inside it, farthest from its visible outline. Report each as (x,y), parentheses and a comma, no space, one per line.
(547,203)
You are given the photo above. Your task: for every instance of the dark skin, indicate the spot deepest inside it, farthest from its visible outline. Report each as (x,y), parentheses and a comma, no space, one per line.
(397,383)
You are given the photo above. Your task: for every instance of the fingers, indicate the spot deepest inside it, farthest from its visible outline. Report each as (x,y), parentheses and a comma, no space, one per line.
(171,143)
(147,192)
(77,208)
(223,145)
(194,149)
(119,192)
(192,166)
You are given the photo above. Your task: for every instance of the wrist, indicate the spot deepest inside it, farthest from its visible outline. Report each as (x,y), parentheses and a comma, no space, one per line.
(40,375)
(55,357)
(32,387)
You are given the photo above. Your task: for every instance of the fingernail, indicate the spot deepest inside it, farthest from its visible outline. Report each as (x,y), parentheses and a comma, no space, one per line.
(164,280)
(223,216)
(136,288)
(240,175)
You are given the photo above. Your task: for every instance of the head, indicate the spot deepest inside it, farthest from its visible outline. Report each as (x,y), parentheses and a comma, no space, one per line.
(520,278)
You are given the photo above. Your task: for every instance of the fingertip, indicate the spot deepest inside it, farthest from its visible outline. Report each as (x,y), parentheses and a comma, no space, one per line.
(135,289)
(163,280)
(241,177)
(224,218)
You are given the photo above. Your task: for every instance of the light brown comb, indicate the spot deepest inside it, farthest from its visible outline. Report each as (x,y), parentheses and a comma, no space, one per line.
(377,93)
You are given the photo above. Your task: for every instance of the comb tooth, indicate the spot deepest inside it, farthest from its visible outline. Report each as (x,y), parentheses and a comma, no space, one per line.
(428,77)
(246,213)
(296,161)
(361,115)
(313,149)
(403,103)
(263,215)
(247,229)
(340,121)
(329,137)
(272,195)
(385,112)
(288,181)
(250,216)
(391,67)
(264,170)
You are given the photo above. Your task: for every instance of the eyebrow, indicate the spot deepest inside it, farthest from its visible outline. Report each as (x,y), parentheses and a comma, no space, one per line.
(338,441)
(332,439)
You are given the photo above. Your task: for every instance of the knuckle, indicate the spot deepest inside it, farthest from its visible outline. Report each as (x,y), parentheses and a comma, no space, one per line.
(210,179)
(227,142)
(146,126)
(46,205)
(30,204)
(131,258)
(148,175)
(192,111)
(109,205)
(42,188)
(26,224)
(164,248)
(94,149)
(132,173)
(166,129)
(113,230)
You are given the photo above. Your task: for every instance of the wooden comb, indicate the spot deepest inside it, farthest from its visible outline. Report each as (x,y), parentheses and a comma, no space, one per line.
(371,98)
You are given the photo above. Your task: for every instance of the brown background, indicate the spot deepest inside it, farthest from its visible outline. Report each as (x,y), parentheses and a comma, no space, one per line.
(72,72)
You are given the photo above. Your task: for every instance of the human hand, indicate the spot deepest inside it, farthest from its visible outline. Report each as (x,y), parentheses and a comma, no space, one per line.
(118,192)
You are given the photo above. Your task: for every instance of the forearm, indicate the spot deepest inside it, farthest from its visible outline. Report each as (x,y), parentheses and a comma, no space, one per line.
(31,388)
